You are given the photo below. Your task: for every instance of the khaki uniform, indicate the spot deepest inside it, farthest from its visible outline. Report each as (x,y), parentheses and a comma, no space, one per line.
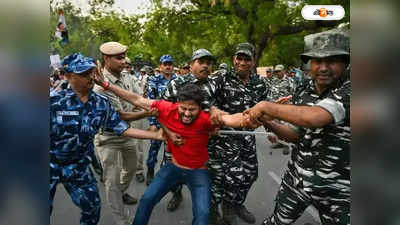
(137,87)
(116,152)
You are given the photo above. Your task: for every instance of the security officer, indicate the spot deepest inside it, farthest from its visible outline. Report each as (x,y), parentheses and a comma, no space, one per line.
(318,172)
(76,115)
(139,81)
(281,86)
(184,69)
(200,69)
(117,154)
(156,85)
(269,78)
(233,160)
(223,66)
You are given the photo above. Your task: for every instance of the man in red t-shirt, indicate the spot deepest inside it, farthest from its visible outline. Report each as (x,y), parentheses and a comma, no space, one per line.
(188,163)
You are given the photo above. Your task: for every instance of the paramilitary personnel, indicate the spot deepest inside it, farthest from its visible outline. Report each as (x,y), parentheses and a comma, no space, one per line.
(318,172)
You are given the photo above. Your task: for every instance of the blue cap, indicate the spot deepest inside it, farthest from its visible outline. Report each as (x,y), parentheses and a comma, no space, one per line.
(77,63)
(166,58)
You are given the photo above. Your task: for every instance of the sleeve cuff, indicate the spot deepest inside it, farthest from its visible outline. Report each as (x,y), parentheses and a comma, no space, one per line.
(121,128)
(335,108)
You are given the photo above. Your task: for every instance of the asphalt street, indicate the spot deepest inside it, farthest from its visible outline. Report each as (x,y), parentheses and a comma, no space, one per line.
(260,200)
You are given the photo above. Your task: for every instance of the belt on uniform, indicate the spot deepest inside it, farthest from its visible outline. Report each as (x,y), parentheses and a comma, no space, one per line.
(106,133)
(54,159)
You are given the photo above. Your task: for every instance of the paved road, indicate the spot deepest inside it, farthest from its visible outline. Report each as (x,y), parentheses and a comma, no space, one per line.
(260,199)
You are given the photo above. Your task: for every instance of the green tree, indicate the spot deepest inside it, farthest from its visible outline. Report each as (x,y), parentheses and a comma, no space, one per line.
(183,25)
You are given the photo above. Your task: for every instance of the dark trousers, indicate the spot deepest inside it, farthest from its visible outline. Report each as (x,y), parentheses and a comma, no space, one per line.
(81,185)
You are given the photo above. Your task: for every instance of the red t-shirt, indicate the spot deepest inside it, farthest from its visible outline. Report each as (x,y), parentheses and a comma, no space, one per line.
(193,153)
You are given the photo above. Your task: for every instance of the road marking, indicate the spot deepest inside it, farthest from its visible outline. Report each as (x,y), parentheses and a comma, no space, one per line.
(311,210)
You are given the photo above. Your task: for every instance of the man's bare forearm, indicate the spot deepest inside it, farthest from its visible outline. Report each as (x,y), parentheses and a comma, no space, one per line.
(283,131)
(131,97)
(131,116)
(304,116)
(142,134)
(234,120)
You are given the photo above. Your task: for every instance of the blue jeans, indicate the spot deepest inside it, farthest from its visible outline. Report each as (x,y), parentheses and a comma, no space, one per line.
(198,182)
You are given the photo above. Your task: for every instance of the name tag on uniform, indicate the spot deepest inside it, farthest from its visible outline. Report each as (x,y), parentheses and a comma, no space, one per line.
(67,113)
(60,114)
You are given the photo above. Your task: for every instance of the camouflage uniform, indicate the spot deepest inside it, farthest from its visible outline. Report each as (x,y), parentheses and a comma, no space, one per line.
(318,172)
(207,85)
(156,85)
(138,84)
(269,82)
(72,129)
(233,160)
(281,88)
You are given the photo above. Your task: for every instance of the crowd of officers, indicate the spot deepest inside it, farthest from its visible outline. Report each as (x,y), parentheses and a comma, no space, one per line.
(310,111)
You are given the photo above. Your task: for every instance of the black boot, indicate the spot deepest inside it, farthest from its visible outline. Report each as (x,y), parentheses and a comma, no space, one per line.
(229,215)
(215,218)
(128,200)
(149,176)
(175,201)
(245,215)
(140,177)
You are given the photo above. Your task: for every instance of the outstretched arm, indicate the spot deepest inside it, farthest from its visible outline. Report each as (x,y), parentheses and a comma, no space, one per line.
(143,134)
(283,131)
(131,116)
(131,97)
(238,120)
(234,120)
(303,116)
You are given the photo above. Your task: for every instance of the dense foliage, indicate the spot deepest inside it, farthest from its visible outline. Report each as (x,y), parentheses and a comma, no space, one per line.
(177,27)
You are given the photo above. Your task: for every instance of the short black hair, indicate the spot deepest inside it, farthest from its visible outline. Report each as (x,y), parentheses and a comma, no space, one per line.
(190,92)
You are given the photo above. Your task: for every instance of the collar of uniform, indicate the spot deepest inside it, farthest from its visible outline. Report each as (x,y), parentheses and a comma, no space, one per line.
(252,76)
(91,95)
(71,93)
(110,77)
(196,80)
(312,89)
(191,77)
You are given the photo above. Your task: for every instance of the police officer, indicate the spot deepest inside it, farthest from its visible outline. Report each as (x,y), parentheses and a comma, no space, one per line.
(76,115)
(281,86)
(223,66)
(200,69)
(318,172)
(233,160)
(184,69)
(139,81)
(117,154)
(156,85)
(269,78)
